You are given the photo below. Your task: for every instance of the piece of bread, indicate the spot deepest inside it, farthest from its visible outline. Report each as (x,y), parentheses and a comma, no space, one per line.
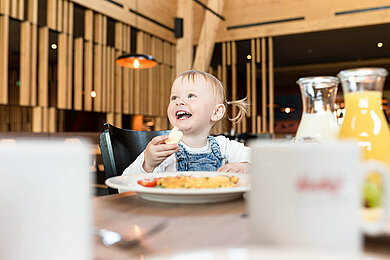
(174,136)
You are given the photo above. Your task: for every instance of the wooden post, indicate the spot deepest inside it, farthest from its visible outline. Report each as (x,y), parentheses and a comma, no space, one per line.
(4,36)
(184,45)
(208,33)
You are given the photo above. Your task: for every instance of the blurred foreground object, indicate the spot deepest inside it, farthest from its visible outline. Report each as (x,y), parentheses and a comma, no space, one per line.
(46,210)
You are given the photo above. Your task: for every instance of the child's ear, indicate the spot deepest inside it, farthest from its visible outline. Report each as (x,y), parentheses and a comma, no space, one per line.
(218,112)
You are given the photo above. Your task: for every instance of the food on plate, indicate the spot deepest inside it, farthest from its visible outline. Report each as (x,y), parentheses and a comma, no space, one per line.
(174,136)
(190,182)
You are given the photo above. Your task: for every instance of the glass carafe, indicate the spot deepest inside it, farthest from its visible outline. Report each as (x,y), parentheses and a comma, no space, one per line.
(364,119)
(318,120)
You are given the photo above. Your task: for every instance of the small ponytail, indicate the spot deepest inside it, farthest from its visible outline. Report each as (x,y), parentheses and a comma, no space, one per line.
(242,105)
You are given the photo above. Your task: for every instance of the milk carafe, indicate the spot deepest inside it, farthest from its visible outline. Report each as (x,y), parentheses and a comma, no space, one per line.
(318,120)
(364,120)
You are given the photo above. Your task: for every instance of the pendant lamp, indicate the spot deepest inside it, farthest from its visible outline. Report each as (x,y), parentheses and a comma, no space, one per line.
(136,61)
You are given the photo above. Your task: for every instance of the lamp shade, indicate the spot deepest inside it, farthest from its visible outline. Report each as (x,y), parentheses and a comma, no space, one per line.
(136,61)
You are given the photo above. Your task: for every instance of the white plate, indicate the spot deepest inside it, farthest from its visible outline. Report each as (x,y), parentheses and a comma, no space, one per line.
(253,253)
(181,196)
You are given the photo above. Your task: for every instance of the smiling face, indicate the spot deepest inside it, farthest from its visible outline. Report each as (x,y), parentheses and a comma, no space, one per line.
(193,107)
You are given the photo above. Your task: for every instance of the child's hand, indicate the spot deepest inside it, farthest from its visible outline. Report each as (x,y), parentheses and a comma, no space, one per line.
(157,151)
(234,167)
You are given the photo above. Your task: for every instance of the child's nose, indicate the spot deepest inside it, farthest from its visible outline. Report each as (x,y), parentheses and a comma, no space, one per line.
(180,101)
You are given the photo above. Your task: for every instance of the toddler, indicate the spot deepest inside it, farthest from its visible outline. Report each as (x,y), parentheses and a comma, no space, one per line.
(197,102)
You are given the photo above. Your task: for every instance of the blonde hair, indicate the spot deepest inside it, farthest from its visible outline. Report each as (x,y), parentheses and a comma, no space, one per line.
(219,91)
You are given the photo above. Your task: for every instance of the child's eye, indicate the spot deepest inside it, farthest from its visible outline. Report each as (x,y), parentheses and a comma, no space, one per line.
(191,95)
(173,97)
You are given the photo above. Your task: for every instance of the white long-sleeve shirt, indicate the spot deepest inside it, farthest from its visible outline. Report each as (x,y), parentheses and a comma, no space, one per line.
(232,150)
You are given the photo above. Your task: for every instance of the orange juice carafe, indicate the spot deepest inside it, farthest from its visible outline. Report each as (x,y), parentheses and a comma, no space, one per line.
(364,119)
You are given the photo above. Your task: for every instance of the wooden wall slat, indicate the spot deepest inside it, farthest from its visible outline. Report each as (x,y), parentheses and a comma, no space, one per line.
(69,71)
(258,51)
(4,7)
(71,17)
(248,86)
(25,61)
(234,80)
(88,74)
(4,35)
(14,8)
(104,79)
(78,73)
(254,88)
(97,74)
(33,64)
(67,17)
(224,69)
(88,25)
(271,84)
(263,87)
(20,9)
(32,12)
(60,15)
(62,71)
(43,67)
(229,53)
(118,86)
(98,28)
(112,89)
(51,14)
(118,36)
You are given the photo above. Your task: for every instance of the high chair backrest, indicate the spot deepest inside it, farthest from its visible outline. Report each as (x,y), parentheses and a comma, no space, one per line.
(120,147)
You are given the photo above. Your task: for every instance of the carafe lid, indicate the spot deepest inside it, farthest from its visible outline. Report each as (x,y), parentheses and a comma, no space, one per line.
(319,80)
(362,72)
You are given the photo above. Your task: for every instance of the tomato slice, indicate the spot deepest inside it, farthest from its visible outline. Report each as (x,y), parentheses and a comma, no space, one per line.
(148,182)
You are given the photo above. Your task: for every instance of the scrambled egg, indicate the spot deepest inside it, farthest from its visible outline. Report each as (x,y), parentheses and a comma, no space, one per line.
(190,182)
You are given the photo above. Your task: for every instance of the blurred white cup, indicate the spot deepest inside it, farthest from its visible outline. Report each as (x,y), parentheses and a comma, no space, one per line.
(310,195)
(45,204)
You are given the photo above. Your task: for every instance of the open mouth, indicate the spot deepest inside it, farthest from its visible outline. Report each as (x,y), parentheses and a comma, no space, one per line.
(183,115)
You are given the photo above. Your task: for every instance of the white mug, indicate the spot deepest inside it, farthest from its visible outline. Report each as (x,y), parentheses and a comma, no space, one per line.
(310,195)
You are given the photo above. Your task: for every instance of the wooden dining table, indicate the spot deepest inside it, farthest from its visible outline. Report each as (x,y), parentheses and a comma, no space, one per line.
(188,227)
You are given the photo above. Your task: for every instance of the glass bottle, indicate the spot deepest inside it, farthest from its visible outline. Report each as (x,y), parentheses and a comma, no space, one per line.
(318,120)
(364,119)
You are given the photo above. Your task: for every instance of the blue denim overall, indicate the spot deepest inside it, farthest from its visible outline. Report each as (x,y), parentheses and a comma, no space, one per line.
(200,161)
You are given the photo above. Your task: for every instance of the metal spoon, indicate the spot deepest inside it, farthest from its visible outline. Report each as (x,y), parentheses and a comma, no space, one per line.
(110,238)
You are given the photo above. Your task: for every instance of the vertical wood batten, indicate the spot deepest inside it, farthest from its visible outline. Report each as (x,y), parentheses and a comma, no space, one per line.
(69,71)
(97,74)
(14,9)
(21,10)
(223,77)
(43,67)
(62,71)
(118,86)
(78,74)
(71,17)
(34,63)
(4,7)
(32,12)
(253,81)
(60,15)
(4,36)
(248,87)
(66,17)
(52,14)
(263,87)
(88,25)
(25,64)
(88,75)
(234,81)
(271,84)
